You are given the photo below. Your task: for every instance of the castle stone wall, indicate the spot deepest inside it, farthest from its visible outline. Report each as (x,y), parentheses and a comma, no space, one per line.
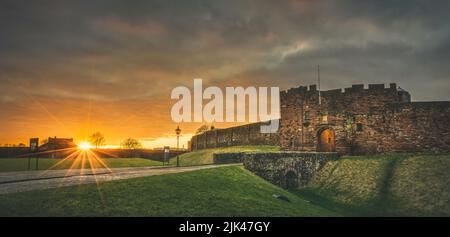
(363,120)
(248,134)
(416,126)
(302,117)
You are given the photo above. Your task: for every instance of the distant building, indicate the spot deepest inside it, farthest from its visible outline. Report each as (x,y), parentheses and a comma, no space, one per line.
(55,143)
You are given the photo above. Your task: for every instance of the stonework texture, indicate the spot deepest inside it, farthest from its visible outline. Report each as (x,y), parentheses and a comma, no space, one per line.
(287,169)
(361,121)
(356,120)
(228,157)
(248,134)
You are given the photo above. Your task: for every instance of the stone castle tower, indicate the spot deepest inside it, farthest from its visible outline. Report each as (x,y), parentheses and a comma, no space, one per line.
(357,120)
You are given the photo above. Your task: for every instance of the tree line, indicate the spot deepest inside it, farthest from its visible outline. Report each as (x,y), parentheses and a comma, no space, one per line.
(97,139)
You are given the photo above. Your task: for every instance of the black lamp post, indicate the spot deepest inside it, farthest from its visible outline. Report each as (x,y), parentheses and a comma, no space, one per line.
(178,132)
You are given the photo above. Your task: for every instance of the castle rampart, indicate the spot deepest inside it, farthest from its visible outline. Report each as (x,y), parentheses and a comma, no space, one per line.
(248,134)
(353,120)
(360,120)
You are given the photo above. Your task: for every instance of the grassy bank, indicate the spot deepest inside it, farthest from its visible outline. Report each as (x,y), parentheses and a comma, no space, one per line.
(205,156)
(225,191)
(384,185)
(21,164)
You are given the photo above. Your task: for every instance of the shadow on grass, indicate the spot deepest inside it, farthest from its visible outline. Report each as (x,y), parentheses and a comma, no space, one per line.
(344,209)
(341,192)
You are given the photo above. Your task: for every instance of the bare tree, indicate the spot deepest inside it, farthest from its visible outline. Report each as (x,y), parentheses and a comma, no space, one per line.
(97,139)
(131,143)
(202,129)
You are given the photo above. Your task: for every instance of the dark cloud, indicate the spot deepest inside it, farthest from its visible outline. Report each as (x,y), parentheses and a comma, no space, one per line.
(111,51)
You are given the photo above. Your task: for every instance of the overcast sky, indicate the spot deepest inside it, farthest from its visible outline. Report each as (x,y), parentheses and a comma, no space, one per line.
(68,68)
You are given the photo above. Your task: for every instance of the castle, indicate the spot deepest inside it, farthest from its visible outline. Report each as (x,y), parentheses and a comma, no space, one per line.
(355,120)
(361,121)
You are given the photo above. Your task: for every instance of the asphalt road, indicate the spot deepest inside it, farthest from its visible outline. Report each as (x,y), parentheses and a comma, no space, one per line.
(13,182)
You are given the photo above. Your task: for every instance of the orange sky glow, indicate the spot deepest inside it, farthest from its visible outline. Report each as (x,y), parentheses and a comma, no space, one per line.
(72,68)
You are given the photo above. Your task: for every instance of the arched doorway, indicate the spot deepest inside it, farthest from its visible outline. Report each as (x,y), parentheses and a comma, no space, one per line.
(291,180)
(326,141)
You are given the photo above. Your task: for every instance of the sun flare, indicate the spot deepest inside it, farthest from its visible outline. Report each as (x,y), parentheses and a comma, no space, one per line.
(84,146)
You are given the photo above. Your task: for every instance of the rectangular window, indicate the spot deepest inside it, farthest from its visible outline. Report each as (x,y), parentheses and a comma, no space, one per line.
(306,117)
(359,127)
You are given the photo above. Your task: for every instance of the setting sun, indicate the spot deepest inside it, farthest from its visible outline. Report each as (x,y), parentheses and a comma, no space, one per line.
(84,146)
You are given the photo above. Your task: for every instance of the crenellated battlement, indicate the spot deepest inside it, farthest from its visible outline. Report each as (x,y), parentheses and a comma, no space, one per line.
(352,89)
(361,119)
(357,89)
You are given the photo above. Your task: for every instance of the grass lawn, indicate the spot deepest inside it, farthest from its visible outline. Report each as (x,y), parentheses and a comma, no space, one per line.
(379,185)
(205,156)
(200,157)
(384,185)
(20,164)
(224,191)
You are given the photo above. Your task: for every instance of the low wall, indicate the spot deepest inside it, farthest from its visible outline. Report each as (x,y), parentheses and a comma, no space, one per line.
(157,155)
(289,169)
(228,157)
(8,152)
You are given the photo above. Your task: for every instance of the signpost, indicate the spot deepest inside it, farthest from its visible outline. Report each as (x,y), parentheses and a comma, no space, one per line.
(178,132)
(166,154)
(34,145)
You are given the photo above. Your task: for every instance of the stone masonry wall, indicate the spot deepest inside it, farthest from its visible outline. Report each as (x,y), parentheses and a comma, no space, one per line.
(228,157)
(302,117)
(363,121)
(248,134)
(287,169)
(416,126)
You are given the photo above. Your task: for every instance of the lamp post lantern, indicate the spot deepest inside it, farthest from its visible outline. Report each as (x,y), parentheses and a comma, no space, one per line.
(178,132)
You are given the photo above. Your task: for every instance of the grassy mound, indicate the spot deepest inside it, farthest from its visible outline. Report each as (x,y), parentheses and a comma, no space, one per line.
(397,184)
(21,164)
(205,156)
(224,191)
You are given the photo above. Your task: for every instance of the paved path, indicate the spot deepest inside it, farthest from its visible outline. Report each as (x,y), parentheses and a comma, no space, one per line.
(12,182)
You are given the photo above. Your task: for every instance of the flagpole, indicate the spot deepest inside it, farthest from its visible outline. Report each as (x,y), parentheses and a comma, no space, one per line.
(318,79)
